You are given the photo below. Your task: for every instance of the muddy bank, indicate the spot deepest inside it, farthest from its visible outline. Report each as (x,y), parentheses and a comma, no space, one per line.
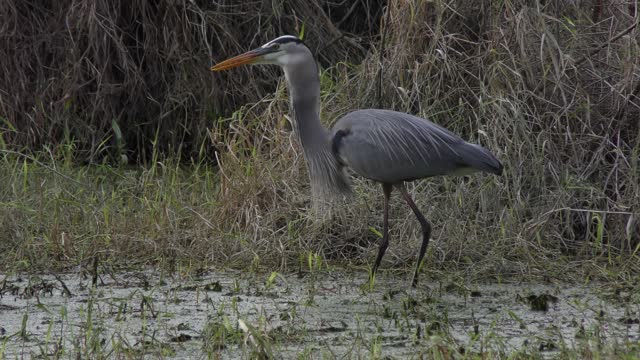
(331,314)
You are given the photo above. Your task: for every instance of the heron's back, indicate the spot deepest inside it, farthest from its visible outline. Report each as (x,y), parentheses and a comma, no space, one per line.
(390,146)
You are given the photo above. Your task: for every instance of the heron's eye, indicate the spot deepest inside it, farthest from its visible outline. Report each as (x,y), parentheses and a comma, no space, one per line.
(275,46)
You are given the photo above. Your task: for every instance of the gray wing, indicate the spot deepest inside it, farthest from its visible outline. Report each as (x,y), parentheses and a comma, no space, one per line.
(389,146)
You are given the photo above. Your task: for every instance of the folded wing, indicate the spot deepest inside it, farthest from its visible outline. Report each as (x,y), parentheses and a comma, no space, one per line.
(389,146)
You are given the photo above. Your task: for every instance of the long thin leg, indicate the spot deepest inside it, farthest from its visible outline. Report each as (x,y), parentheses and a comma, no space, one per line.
(386,188)
(426,230)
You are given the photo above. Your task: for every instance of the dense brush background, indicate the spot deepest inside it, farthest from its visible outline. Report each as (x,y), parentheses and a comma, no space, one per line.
(117,140)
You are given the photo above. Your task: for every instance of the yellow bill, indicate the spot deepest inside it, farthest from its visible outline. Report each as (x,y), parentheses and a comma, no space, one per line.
(249,57)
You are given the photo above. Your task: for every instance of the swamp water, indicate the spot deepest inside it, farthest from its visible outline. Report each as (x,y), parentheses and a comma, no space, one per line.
(319,315)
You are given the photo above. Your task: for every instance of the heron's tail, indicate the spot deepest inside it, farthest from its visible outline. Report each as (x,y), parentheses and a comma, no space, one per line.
(480,158)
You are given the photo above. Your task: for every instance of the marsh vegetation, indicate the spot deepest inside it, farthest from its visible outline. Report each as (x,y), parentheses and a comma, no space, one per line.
(117,144)
(319,314)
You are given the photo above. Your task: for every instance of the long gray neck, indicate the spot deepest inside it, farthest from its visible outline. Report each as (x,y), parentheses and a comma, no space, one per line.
(304,90)
(327,177)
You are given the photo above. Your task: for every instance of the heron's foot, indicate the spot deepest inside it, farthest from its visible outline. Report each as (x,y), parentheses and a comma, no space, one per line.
(423,286)
(414,280)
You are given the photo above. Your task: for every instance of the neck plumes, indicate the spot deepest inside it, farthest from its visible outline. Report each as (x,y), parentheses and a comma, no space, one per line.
(328,179)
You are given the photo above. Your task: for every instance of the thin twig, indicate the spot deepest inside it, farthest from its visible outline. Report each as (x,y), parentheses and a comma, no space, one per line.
(64,286)
(383,25)
(603,45)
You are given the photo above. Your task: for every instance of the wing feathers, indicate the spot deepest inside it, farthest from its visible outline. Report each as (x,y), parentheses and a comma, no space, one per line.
(389,146)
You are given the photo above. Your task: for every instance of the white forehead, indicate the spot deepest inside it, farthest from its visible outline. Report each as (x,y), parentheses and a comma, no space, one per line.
(290,37)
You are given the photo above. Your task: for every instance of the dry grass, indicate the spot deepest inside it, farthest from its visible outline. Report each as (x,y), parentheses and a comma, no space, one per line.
(551,88)
(74,71)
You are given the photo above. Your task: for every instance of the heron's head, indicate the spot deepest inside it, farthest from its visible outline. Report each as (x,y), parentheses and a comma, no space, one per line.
(284,51)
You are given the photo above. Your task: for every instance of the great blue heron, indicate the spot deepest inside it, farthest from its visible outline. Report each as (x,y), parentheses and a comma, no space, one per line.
(385,146)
